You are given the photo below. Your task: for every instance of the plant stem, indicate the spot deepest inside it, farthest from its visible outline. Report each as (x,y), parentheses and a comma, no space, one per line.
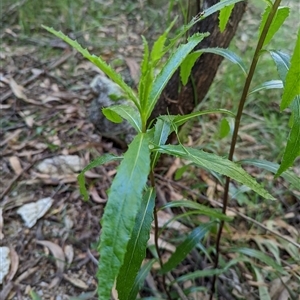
(237,124)
(152,179)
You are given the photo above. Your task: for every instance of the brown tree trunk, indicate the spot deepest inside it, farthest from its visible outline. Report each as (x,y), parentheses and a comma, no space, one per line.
(177,99)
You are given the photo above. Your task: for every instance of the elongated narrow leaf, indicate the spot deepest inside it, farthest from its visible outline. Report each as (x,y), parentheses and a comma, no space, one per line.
(289,176)
(170,67)
(100,63)
(220,5)
(180,120)
(258,255)
(146,78)
(158,49)
(200,16)
(188,63)
(124,201)
(202,209)
(95,163)
(139,280)
(162,130)
(136,249)
(217,164)
(128,113)
(199,274)
(280,16)
(186,247)
(211,272)
(228,54)
(262,289)
(292,149)
(272,84)
(292,82)
(224,16)
(282,61)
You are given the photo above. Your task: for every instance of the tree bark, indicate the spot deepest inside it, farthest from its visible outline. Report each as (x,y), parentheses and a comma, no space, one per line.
(177,99)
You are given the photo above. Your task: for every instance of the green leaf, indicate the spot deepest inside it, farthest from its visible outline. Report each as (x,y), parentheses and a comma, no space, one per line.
(158,49)
(188,63)
(289,176)
(224,128)
(282,61)
(111,115)
(95,163)
(100,63)
(272,84)
(258,255)
(292,149)
(180,171)
(147,72)
(217,164)
(180,120)
(228,54)
(126,112)
(202,273)
(212,272)
(292,82)
(124,201)
(220,5)
(202,209)
(186,247)
(136,249)
(262,289)
(169,68)
(280,16)
(202,15)
(224,16)
(34,295)
(162,130)
(139,280)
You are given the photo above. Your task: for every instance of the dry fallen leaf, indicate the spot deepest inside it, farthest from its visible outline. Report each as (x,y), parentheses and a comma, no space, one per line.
(17,89)
(161,243)
(134,69)
(69,253)
(33,211)
(164,217)
(5,262)
(1,224)
(15,164)
(27,117)
(14,258)
(76,281)
(57,252)
(95,196)
(62,164)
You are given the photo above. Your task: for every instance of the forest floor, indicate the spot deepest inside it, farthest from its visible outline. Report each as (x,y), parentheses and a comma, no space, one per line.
(46,138)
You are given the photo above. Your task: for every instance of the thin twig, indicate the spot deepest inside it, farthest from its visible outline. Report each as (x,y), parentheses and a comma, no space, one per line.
(152,179)
(236,127)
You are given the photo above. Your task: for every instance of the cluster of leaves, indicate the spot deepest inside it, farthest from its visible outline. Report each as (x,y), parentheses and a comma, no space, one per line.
(128,213)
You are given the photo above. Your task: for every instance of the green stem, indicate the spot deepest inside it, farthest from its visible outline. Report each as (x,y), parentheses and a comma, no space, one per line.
(237,124)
